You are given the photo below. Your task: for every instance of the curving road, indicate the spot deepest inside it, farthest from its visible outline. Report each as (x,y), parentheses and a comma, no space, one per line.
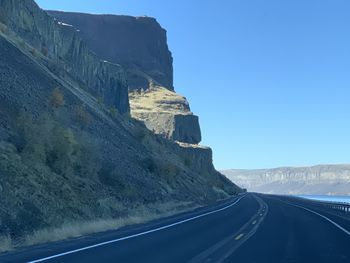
(248,228)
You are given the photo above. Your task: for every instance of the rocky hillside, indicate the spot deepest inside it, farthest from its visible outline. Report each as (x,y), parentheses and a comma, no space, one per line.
(144,53)
(69,152)
(317,180)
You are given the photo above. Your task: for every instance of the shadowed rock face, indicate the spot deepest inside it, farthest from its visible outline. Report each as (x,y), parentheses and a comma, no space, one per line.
(139,44)
(62,49)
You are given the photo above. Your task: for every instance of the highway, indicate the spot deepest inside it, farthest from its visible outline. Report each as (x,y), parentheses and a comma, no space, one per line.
(248,228)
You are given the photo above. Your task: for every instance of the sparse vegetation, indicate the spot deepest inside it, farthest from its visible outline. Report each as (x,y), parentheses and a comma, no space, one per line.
(33,52)
(44,140)
(3,28)
(139,132)
(113,111)
(187,161)
(57,98)
(139,215)
(5,243)
(3,16)
(168,170)
(100,101)
(44,51)
(81,115)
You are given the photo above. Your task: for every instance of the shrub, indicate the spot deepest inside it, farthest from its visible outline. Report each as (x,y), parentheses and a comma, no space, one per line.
(139,132)
(167,169)
(100,101)
(32,137)
(44,51)
(113,111)
(45,141)
(21,44)
(57,98)
(62,151)
(3,28)
(81,116)
(33,52)
(149,164)
(187,161)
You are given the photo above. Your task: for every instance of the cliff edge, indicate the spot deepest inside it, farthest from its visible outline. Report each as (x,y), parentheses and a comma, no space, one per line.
(139,44)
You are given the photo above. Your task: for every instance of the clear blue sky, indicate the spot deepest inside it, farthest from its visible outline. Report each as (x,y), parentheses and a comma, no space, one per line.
(270,79)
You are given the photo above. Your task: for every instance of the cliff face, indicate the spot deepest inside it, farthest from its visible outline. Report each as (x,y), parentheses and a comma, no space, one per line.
(319,180)
(139,44)
(62,48)
(166,112)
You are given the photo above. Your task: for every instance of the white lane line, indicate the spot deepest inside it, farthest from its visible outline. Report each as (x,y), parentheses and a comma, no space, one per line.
(324,217)
(138,234)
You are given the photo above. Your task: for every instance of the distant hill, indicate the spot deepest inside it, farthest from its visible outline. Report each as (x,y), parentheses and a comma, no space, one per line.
(320,179)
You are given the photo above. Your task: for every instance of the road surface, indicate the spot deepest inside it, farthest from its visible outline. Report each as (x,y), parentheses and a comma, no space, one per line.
(249,228)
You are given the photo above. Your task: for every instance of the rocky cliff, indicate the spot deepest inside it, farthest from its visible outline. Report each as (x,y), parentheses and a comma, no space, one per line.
(67,155)
(60,46)
(317,180)
(139,44)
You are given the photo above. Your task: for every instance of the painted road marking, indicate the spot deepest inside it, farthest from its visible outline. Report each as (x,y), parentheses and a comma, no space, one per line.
(138,234)
(239,236)
(324,217)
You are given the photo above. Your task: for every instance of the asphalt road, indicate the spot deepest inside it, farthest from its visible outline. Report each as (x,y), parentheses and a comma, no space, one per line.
(250,228)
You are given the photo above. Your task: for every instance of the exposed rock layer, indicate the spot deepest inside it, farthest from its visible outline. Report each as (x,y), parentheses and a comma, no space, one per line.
(140,45)
(62,48)
(320,180)
(166,112)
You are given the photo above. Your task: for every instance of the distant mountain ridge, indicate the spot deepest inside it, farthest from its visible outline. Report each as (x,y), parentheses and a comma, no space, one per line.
(319,179)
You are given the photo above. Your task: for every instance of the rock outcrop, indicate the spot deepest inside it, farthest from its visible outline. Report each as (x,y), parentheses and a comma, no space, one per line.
(139,44)
(166,112)
(64,50)
(317,180)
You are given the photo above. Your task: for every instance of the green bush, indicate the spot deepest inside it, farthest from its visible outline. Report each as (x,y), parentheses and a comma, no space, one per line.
(45,141)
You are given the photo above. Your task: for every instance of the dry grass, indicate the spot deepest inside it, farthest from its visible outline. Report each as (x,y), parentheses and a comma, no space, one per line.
(73,230)
(158,99)
(5,243)
(3,28)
